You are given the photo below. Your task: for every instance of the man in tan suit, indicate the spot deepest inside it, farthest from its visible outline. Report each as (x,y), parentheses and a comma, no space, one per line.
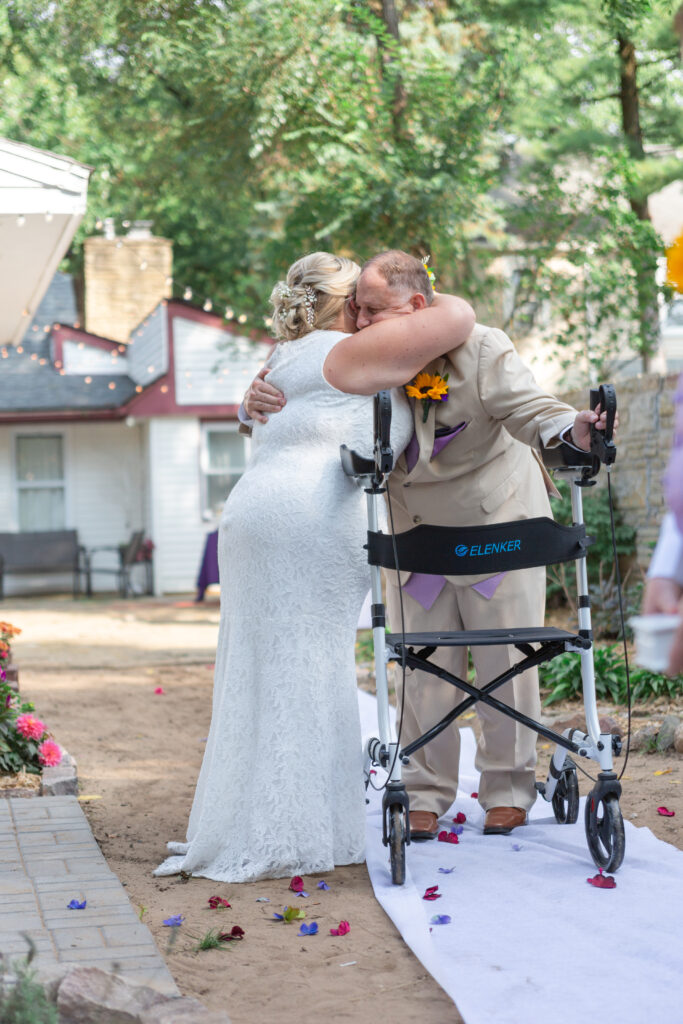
(478,447)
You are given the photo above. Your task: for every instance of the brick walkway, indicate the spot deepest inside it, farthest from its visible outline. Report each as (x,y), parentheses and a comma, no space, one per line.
(48,856)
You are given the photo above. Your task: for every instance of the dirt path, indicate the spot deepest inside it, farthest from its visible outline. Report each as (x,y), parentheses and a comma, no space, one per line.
(92,669)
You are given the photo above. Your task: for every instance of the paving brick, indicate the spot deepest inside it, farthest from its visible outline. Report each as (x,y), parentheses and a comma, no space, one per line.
(20,921)
(103,916)
(133,934)
(87,937)
(107,881)
(99,956)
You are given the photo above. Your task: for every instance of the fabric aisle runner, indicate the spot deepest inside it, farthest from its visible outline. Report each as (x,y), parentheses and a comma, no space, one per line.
(529,940)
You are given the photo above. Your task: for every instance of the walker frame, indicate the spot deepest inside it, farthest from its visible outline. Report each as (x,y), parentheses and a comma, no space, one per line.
(450,551)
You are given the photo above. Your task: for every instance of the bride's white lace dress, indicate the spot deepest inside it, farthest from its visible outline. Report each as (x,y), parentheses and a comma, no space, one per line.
(280,789)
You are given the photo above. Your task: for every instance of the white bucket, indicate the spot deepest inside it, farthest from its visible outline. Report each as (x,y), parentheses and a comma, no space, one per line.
(654,635)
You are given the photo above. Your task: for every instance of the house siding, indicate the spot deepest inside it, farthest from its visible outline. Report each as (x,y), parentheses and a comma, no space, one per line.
(148,352)
(176,523)
(104,488)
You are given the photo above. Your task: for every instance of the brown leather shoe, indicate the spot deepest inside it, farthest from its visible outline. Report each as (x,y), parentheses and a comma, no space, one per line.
(500,821)
(423,825)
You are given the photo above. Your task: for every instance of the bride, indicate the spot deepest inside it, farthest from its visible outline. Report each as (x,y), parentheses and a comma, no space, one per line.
(280,789)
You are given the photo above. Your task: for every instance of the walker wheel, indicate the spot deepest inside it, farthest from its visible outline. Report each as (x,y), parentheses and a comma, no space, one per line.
(605,831)
(397,843)
(566,796)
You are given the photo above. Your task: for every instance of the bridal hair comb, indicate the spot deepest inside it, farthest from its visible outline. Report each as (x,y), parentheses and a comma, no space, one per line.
(309,304)
(430,273)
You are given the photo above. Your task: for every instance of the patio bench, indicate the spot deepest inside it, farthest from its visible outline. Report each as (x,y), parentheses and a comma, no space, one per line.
(43,551)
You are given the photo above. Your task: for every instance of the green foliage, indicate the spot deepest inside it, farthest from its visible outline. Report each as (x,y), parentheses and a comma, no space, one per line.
(23,1000)
(210,941)
(562,676)
(16,751)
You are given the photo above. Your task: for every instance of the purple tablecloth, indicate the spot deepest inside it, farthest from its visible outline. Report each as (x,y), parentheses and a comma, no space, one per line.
(208,570)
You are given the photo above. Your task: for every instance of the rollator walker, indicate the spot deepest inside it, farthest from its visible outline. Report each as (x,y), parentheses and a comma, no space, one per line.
(492,549)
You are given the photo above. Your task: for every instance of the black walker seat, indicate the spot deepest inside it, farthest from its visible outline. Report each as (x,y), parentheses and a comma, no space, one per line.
(485,551)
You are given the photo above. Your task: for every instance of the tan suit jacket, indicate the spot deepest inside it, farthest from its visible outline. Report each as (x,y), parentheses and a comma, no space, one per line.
(489,472)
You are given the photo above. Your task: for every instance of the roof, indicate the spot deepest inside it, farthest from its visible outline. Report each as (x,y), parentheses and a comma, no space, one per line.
(42,201)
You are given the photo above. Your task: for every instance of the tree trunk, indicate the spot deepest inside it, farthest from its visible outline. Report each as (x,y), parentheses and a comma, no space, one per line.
(630,123)
(390,19)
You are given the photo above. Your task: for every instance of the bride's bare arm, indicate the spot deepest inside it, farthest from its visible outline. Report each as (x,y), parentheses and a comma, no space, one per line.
(389,353)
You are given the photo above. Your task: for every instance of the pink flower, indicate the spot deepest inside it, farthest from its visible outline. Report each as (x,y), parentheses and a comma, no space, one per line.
(160,689)
(460,818)
(432,893)
(49,753)
(217,901)
(447,837)
(343,929)
(665,812)
(30,727)
(297,884)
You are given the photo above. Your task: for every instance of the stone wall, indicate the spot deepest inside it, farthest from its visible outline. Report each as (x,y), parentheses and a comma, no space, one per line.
(646,422)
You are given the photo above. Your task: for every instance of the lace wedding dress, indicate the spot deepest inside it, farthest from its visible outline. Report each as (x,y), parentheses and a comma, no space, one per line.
(280,789)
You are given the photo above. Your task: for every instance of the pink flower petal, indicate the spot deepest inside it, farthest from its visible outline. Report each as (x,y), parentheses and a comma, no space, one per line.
(160,689)
(460,818)
(447,837)
(601,881)
(343,929)
(474,795)
(665,812)
(297,884)
(432,893)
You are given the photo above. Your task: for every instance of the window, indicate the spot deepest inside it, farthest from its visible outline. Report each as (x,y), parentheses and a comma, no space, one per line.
(224,460)
(39,461)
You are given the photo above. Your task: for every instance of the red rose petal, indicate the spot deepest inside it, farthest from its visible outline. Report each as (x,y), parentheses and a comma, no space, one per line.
(160,690)
(665,812)
(474,795)
(297,884)
(460,818)
(602,881)
(447,837)
(432,893)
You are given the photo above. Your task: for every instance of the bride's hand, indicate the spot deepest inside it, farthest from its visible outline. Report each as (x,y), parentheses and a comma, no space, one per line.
(262,397)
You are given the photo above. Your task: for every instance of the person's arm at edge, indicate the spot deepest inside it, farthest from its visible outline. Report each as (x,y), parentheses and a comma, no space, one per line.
(389,353)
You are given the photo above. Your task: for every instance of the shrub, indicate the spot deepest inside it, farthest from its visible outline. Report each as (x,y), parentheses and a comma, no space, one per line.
(562,676)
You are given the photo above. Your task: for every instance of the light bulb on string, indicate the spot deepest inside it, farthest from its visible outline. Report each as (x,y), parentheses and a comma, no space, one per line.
(187,294)
(208,306)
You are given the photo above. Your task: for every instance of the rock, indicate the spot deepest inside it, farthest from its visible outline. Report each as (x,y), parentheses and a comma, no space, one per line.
(609,725)
(62,780)
(667,731)
(644,739)
(576,721)
(88,995)
(678,739)
(51,977)
(183,1010)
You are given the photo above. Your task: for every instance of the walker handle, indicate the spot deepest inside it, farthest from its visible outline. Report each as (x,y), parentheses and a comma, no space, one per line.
(384,456)
(602,445)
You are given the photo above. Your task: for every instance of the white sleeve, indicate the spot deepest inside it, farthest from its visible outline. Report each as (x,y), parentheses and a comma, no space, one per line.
(243,417)
(667,560)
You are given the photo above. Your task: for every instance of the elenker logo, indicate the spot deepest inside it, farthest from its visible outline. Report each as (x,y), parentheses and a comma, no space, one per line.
(487,549)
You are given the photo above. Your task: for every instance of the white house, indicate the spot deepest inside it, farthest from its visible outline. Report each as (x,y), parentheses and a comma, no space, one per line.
(128,423)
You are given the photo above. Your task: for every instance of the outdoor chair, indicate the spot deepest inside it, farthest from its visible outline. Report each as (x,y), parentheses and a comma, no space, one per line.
(128,556)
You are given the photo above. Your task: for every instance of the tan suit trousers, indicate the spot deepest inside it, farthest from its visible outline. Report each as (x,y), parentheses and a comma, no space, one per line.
(506,751)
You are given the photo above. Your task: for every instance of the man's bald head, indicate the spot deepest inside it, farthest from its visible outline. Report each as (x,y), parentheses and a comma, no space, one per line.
(402,272)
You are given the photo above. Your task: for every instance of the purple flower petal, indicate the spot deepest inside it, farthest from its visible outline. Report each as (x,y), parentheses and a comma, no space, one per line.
(302,893)
(457,830)
(309,929)
(446,871)
(440,919)
(516,847)
(174,921)
(323,885)
(75,905)
(279,917)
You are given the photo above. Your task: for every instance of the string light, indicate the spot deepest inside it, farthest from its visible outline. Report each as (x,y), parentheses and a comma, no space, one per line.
(187,294)
(208,306)
(48,217)
(88,380)
(21,220)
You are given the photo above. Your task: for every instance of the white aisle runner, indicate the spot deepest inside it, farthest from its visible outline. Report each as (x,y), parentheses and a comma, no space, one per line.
(530,942)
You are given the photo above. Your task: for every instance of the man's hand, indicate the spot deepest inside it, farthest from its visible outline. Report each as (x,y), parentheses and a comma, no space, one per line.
(581,431)
(262,397)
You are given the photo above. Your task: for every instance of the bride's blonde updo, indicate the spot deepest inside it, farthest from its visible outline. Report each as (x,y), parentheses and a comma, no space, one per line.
(312,295)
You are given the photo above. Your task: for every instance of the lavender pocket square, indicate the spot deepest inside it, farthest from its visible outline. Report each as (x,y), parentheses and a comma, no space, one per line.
(442,439)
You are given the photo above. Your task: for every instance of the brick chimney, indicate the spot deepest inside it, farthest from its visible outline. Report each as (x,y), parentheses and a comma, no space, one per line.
(125,278)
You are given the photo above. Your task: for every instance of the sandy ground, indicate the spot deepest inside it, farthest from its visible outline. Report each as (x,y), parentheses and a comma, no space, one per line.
(92,667)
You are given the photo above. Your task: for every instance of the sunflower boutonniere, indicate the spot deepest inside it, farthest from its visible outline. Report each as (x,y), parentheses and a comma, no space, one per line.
(428,387)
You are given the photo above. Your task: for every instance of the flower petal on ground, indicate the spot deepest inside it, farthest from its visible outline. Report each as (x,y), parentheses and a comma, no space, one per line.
(174,921)
(447,837)
(460,818)
(457,830)
(323,885)
(235,933)
(440,919)
(217,901)
(309,929)
(76,905)
(601,881)
(296,884)
(432,893)
(665,812)
(160,690)
(343,929)
(474,795)
(446,871)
